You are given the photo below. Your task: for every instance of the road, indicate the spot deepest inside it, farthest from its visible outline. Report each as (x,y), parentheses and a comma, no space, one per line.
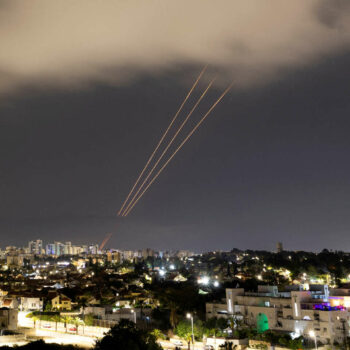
(166,344)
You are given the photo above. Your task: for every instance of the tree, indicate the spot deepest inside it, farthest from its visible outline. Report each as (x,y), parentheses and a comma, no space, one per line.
(173,313)
(83,304)
(125,335)
(184,330)
(66,320)
(40,344)
(56,319)
(76,321)
(48,306)
(178,298)
(89,320)
(35,319)
(214,326)
(158,334)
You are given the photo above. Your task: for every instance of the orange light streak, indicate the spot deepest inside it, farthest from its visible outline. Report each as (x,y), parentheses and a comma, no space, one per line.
(179,147)
(167,147)
(162,138)
(104,242)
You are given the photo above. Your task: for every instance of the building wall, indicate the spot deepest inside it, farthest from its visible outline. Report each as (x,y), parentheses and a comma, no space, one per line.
(31,304)
(216,310)
(8,319)
(95,310)
(294,314)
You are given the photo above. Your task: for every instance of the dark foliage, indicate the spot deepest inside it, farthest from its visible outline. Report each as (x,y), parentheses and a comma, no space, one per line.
(126,335)
(40,344)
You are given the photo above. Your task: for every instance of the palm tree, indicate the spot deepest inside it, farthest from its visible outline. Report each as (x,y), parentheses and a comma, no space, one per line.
(188,338)
(66,320)
(35,319)
(173,314)
(77,322)
(83,303)
(56,319)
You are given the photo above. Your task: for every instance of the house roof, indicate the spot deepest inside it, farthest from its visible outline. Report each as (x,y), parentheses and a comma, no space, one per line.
(63,298)
(7,302)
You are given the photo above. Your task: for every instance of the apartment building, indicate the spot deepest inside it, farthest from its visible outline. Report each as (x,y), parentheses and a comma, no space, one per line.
(298,310)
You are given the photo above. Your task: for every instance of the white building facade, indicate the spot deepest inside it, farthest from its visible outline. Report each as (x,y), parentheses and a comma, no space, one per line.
(297,312)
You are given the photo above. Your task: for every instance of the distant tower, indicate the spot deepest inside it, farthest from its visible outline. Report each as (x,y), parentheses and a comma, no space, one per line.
(35,247)
(279,247)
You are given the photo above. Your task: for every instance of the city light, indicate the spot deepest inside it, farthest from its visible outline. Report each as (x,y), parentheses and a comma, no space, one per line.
(204,280)
(313,335)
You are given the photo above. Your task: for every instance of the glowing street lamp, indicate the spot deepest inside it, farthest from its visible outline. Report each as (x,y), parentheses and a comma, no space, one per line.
(204,280)
(312,334)
(189,316)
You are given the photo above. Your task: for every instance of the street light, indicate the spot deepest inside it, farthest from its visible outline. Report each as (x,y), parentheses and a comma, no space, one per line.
(313,335)
(189,316)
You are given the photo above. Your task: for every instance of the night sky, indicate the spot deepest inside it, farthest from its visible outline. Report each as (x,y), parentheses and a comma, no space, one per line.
(270,164)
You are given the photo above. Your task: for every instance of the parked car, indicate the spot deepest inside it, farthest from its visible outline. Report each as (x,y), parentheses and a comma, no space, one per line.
(178,342)
(72,329)
(46,325)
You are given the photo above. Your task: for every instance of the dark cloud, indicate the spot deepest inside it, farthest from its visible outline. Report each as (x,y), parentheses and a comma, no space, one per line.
(330,12)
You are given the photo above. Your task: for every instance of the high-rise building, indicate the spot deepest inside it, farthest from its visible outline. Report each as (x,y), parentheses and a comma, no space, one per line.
(60,248)
(35,247)
(68,248)
(56,248)
(93,249)
(114,257)
(147,253)
(279,247)
(50,249)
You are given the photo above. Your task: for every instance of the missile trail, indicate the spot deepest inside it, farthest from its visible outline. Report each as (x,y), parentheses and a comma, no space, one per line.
(104,242)
(167,147)
(179,147)
(162,138)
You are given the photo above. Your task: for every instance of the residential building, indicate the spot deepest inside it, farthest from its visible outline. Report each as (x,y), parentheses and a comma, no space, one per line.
(8,319)
(61,302)
(10,303)
(114,257)
(31,304)
(296,311)
(14,260)
(35,247)
(147,253)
